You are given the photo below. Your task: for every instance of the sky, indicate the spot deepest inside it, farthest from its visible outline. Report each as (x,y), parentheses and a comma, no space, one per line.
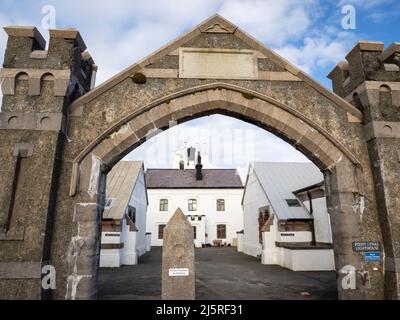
(309,33)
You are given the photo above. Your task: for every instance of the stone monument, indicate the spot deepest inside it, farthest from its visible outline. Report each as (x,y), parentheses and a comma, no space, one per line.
(178,281)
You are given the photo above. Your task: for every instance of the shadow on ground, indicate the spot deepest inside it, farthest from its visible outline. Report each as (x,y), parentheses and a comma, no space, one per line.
(221,273)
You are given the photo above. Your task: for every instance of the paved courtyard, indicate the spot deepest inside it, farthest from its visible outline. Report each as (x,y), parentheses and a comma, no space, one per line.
(221,273)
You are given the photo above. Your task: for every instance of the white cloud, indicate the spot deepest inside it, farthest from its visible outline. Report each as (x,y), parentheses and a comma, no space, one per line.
(273,22)
(317,52)
(120,32)
(226,141)
(364,4)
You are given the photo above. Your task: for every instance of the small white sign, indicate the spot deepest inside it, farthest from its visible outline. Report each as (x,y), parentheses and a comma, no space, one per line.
(178,272)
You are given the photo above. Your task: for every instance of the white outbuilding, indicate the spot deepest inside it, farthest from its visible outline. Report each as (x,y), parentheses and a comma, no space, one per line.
(123,237)
(286,220)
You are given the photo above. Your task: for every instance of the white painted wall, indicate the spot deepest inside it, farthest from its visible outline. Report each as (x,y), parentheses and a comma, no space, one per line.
(129,253)
(254,198)
(322,221)
(293,236)
(297,260)
(148,242)
(139,201)
(240,242)
(110,258)
(134,241)
(270,252)
(232,217)
(307,260)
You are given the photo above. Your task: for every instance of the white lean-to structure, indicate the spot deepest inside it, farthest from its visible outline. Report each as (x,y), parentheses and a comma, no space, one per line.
(210,198)
(123,237)
(286,221)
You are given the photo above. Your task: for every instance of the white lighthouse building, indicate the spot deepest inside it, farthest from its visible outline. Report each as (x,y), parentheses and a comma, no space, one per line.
(210,198)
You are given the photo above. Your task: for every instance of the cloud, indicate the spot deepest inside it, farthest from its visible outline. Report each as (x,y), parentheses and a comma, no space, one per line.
(374,10)
(318,52)
(226,141)
(273,22)
(365,4)
(120,32)
(131,31)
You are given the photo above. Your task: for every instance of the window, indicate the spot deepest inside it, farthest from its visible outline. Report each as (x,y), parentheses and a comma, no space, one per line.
(263,216)
(293,203)
(194,232)
(220,205)
(132,213)
(164,205)
(221,231)
(161,231)
(192,205)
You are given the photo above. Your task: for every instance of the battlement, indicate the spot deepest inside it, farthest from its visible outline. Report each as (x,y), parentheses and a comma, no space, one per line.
(65,62)
(367,61)
(30,35)
(26,48)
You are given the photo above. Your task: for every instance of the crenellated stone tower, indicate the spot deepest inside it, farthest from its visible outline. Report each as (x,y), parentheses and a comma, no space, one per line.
(370,80)
(38,85)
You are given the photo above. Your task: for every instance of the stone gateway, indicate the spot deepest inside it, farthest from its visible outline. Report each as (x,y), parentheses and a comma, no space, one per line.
(59,137)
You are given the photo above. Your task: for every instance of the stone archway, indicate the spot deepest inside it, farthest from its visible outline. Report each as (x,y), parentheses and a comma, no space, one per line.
(342,170)
(246,80)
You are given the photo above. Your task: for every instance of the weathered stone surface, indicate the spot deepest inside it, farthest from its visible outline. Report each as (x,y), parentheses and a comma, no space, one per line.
(64,177)
(217,64)
(34,114)
(178,274)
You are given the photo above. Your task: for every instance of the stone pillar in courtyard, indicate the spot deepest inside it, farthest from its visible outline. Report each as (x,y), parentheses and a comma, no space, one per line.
(178,278)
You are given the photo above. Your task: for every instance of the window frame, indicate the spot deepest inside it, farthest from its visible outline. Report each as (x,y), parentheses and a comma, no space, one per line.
(163,205)
(161,228)
(132,213)
(223,205)
(192,204)
(219,230)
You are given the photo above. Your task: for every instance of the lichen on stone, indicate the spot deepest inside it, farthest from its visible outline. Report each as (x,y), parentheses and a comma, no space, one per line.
(139,78)
(247,96)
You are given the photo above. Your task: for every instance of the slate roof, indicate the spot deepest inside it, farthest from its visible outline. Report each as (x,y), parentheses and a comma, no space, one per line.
(186,179)
(280,180)
(120,183)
